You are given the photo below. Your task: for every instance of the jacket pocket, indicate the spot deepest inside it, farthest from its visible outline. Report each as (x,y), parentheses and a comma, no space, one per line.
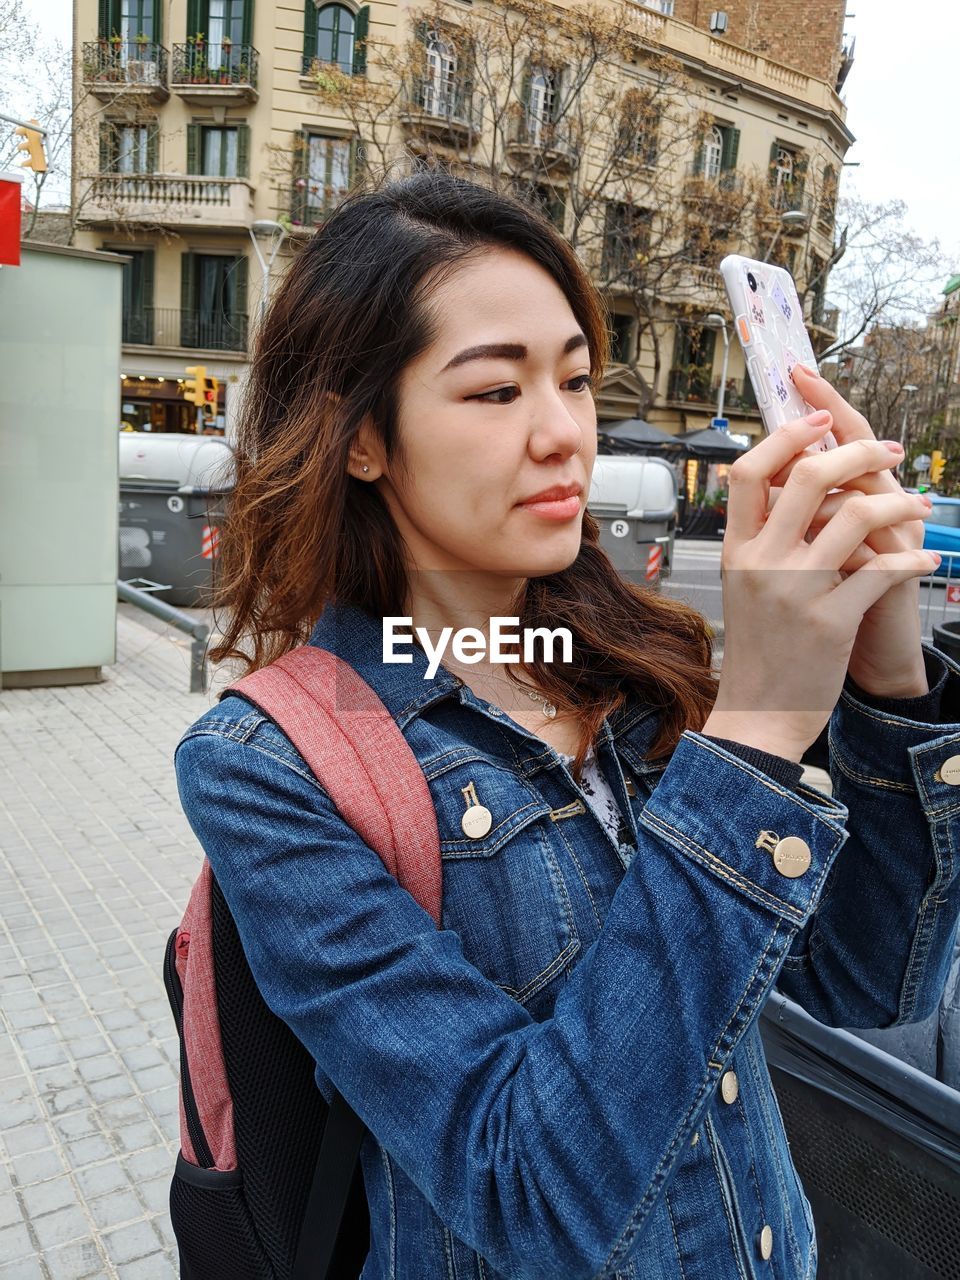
(214,1229)
(504,893)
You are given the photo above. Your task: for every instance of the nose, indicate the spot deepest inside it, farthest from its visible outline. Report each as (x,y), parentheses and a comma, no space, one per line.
(554,431)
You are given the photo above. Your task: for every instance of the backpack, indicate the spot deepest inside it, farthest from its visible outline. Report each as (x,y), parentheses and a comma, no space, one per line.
(267,1184)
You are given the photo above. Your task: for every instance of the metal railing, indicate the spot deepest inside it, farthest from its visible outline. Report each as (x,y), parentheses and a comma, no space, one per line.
(451,102)
(174,327)
(197,62)
(691,386)
(198,631)
(123,62)
(698,183)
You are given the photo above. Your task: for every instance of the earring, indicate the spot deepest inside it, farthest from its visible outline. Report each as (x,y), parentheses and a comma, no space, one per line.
(364,468)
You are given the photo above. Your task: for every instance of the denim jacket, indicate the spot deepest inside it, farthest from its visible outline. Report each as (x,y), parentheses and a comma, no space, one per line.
(567,1080)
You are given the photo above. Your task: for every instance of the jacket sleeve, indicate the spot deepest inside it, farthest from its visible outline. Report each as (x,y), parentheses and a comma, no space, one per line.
(508,1125)
(877,950)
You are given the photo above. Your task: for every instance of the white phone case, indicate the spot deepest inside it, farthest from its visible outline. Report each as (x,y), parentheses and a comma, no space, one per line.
(768,320)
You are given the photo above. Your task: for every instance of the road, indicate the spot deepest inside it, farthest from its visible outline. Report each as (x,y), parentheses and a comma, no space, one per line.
(696,580)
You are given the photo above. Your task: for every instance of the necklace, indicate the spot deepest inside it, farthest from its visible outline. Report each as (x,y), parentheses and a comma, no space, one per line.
(549,708)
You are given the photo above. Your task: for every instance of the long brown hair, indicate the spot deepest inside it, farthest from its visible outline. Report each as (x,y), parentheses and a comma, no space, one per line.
(300,532)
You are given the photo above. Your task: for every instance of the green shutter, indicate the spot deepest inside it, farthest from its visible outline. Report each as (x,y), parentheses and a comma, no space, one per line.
(146,283)
(800,163)
(309,34)
(361,27)
(731,147)
(241,285)
(421,30)
(698,159)
(193,148)
(243,151)
(188,298)
(108,18)
(299,168)
(774,148)
(153,146)
(107,149)
(246,28)
(193,18)
(559,79)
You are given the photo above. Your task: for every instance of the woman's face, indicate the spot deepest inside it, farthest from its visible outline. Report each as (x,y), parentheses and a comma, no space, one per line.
(495,412)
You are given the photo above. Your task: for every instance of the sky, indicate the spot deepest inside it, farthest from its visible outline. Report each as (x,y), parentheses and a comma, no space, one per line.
(902,98)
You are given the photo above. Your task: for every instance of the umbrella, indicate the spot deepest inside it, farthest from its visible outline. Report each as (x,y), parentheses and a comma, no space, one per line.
(709,442)
(634,431)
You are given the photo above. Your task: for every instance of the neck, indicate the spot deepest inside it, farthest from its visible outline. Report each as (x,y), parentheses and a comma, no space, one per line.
(464,599)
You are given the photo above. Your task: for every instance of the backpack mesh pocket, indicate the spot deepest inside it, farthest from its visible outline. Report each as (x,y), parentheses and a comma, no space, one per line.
(213,1226)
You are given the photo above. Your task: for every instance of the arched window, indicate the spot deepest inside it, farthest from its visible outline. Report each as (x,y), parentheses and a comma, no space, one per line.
(541,102)
(712,153)
(439,89)
(783,168)
(335,33)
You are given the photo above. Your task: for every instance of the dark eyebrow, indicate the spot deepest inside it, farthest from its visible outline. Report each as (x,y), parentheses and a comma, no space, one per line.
(506,351)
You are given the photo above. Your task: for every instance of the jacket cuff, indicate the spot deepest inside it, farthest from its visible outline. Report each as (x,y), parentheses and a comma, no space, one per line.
(719,810)
(787,772)
(873,743)
(926,706)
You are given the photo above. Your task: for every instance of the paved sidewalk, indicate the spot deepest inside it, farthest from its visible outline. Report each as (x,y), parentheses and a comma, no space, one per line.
(96,861)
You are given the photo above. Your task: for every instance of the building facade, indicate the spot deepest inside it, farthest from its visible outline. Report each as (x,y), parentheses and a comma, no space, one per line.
(200,118)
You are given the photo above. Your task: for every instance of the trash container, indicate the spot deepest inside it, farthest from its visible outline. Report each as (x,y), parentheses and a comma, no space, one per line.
(172,493)
(877,1147)
(634,500)
(946,638)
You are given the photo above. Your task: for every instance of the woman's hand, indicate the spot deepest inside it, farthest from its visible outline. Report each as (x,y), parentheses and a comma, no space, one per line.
(791,617)
(886,659)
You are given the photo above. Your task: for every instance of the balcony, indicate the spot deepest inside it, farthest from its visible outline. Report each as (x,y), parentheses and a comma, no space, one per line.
(788,197)
(739,395)
(174,328)
(448,111)
(722,189)
(125,68)
(825,321)
(691,386)
(168,200)
(544,144)
(215,73)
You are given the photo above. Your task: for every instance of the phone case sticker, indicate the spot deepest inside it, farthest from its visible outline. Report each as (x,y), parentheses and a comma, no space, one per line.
(780,391)
(780,298)
(755,308)
(790,358)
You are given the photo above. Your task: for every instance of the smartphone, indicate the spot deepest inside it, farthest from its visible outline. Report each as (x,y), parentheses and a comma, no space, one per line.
(768,320)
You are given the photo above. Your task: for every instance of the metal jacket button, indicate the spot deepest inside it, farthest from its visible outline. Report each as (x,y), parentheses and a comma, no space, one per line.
(729,1086)
(631,786)
(791,857)
(949,772)
(766,1242)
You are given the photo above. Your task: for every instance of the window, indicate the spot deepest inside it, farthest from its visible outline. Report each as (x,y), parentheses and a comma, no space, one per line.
(138,18)
(623,339)
(128,148)
(638,135)
(137,324)
(328,166)
(225,26)
(440,85)
(541,101)
(783,167)
(551,203)
(213,301)
(691,376)
(828,199)
(717,154)
(662,6)
(218,151)
(625,240)
(334,33)
(787,172)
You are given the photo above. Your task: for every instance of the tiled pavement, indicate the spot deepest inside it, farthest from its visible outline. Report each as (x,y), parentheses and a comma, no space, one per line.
(96,861)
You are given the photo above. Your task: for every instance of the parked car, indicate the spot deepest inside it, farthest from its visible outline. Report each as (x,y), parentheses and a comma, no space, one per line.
(942,533)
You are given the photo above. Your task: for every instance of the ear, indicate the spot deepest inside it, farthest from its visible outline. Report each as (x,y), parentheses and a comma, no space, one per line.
(366,451)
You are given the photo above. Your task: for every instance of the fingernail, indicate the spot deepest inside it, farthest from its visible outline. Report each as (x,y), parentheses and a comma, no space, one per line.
(936,559)
(818,419)
(811,373)
(893,445)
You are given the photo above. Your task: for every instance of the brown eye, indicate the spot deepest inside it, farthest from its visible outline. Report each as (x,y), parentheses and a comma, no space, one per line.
(502,395)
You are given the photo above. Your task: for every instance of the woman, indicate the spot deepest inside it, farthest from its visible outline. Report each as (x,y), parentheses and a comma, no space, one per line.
(566,1080)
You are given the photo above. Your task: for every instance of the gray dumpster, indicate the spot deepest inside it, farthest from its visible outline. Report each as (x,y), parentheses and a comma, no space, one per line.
(634,500)
(172,493)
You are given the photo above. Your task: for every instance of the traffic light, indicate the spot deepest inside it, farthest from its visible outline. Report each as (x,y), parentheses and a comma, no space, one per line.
(193,388)
(937,464)
(33,145)
(211,392)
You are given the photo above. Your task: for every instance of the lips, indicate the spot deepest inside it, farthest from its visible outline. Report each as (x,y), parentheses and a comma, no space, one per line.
(556,493)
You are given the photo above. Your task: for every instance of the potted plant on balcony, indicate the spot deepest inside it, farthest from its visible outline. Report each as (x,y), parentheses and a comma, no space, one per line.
(226,45)
(197,72)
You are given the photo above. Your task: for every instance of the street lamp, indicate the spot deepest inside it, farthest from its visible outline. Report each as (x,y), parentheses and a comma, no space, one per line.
(790,220)
(908,388)
(264,227)
(716,321)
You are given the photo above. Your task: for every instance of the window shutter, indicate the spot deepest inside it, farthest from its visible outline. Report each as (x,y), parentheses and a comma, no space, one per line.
(361,27)
(354,148)
(108,18)
(240,275)
(246,28)
(559,77)
(774,148)
(800,163)
(300,169)
(188,316)
(309,34)
(146,260)
(731,147)
(153,146)
(698,159)
(193,18)
(243,151)
(106,147)
(193,148)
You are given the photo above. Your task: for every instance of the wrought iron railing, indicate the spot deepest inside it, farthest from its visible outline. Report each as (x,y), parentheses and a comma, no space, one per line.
(124,62)
(531,130)
(452,101)
(198,62)
(175,327)
(690,386)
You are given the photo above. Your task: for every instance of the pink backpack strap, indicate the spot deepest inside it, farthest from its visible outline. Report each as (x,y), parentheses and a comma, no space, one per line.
(361,759)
